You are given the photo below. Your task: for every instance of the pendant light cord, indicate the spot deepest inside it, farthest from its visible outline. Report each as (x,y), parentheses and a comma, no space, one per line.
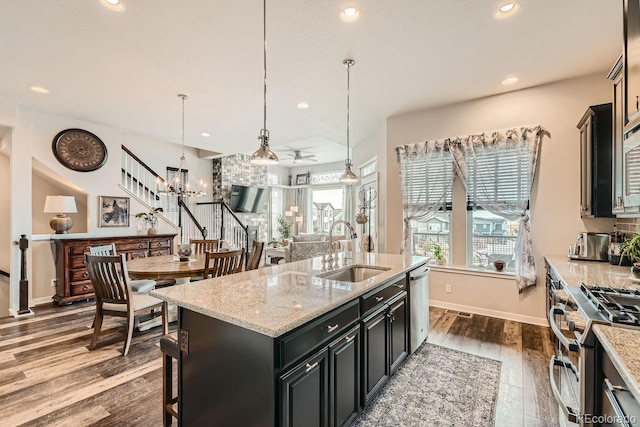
(348,108)
(183,96)
(264,62)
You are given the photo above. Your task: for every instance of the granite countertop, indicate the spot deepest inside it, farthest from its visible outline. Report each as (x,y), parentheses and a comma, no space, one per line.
(623,346)
(592,272)
(275,300)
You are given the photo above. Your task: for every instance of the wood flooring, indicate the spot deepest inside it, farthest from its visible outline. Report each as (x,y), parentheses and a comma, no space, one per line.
(48,377)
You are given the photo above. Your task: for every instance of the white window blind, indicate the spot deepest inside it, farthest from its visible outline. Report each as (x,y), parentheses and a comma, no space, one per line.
(501,175)
(427,178)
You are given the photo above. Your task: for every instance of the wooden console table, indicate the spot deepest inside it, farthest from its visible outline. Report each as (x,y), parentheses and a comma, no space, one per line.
(71,273)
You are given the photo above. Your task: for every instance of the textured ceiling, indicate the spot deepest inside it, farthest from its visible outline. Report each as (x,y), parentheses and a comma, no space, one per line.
(124,69)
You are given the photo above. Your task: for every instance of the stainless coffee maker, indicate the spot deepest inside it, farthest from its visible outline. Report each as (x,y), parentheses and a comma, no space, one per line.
(590,247)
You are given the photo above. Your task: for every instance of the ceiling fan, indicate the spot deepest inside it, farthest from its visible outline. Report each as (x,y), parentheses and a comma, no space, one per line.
(299,158)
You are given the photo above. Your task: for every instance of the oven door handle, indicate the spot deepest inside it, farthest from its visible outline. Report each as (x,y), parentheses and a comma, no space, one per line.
(571,345)
(570,413)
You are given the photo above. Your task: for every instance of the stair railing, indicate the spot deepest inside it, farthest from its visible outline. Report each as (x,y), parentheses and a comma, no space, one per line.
(214,220)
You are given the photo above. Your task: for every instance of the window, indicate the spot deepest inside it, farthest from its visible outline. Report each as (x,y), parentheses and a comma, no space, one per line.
(326,207)
(276,210)
(429,179)
(325,177)
(498,181)
(428,234)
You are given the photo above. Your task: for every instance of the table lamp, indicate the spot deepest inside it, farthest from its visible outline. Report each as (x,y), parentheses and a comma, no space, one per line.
(60,205)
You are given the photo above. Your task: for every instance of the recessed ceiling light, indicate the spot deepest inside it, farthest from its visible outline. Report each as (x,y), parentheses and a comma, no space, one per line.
(39,89)
(350,14)
(506,9)
(116,5)
(205,134)
(509,80)
(303,105)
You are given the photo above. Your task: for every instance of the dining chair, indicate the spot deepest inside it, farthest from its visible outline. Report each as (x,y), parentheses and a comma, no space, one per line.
(202,246)
(143,285)
(256,254)
(218,264)
(114,297)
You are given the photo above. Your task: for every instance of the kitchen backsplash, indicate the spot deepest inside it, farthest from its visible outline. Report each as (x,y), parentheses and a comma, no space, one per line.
(628,224)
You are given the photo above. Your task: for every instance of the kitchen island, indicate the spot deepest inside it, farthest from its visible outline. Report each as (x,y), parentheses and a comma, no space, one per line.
(283,346)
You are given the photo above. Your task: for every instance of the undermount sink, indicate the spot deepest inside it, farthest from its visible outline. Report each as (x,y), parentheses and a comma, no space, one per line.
(354,273)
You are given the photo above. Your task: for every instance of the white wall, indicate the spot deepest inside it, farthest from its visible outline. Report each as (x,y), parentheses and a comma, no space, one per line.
(555,218)
(5,240)
(375,146)
(42,129)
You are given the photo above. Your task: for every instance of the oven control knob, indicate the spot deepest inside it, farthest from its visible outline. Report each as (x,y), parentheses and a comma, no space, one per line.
(574,324)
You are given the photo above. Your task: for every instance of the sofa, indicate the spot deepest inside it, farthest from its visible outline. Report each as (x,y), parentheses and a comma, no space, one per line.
(303,246)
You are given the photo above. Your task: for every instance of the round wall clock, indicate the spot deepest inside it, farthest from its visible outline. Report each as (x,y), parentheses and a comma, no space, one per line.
(79,150)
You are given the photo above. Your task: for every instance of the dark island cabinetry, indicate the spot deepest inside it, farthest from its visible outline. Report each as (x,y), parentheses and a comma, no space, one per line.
(320,374)
(71,272)
(385,338)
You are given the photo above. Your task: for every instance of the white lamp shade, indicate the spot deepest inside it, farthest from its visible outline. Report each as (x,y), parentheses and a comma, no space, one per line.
(60,204)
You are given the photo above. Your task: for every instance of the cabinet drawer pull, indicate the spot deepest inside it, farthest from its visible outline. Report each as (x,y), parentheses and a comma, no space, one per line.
(85,274)
(332,328)
(612,387)
(310,367)
(141,245)
(380,298)
(85,287)
(349,339)
(399,286)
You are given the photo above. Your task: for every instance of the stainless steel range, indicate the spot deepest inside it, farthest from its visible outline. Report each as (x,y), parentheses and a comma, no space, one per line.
(572,312)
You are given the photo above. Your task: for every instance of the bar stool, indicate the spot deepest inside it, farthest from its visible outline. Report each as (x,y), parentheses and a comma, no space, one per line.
(170,351)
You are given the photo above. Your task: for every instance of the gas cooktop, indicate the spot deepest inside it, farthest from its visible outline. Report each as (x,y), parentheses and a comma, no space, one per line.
(618,305)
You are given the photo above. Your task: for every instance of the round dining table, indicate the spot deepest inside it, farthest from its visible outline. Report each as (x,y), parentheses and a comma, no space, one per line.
(166,267)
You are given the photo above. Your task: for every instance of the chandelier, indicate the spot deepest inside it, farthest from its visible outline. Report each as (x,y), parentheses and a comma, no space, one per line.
(177,188)
(348,176)
(264,155)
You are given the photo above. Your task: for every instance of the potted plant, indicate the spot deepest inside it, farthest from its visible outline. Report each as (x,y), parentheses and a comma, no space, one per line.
(499,264)
(151,218)
(284,228)
(438,254)
(630,248)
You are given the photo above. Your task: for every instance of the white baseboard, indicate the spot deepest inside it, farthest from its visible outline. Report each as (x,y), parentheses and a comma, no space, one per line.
(540,321)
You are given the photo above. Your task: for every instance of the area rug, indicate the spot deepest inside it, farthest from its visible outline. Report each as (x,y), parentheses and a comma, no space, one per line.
(437,386)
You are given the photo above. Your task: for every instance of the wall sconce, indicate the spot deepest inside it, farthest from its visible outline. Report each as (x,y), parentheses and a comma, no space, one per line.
(60,205)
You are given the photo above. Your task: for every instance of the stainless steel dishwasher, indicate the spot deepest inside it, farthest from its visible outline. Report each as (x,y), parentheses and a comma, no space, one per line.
(419,297)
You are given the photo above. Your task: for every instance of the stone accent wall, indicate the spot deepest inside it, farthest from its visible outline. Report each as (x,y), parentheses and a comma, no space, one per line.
(237,170)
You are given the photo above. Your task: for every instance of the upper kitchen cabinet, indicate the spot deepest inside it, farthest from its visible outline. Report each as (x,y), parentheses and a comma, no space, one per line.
(616,76)
(632,63)
(596,162)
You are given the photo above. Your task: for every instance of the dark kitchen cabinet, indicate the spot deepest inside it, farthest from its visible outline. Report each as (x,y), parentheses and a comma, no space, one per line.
(616,76)
(631,37)
(399,339)
(344,378)
(385,342)
(305,392)
(324,390)
(376,357)
(596,162)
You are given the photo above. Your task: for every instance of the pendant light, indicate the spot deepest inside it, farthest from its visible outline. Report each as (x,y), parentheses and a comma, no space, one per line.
(348,177)
(190,188)
(264,155)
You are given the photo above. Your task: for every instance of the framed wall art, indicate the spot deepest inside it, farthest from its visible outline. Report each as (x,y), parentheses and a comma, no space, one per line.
(302,179)
(114,211)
